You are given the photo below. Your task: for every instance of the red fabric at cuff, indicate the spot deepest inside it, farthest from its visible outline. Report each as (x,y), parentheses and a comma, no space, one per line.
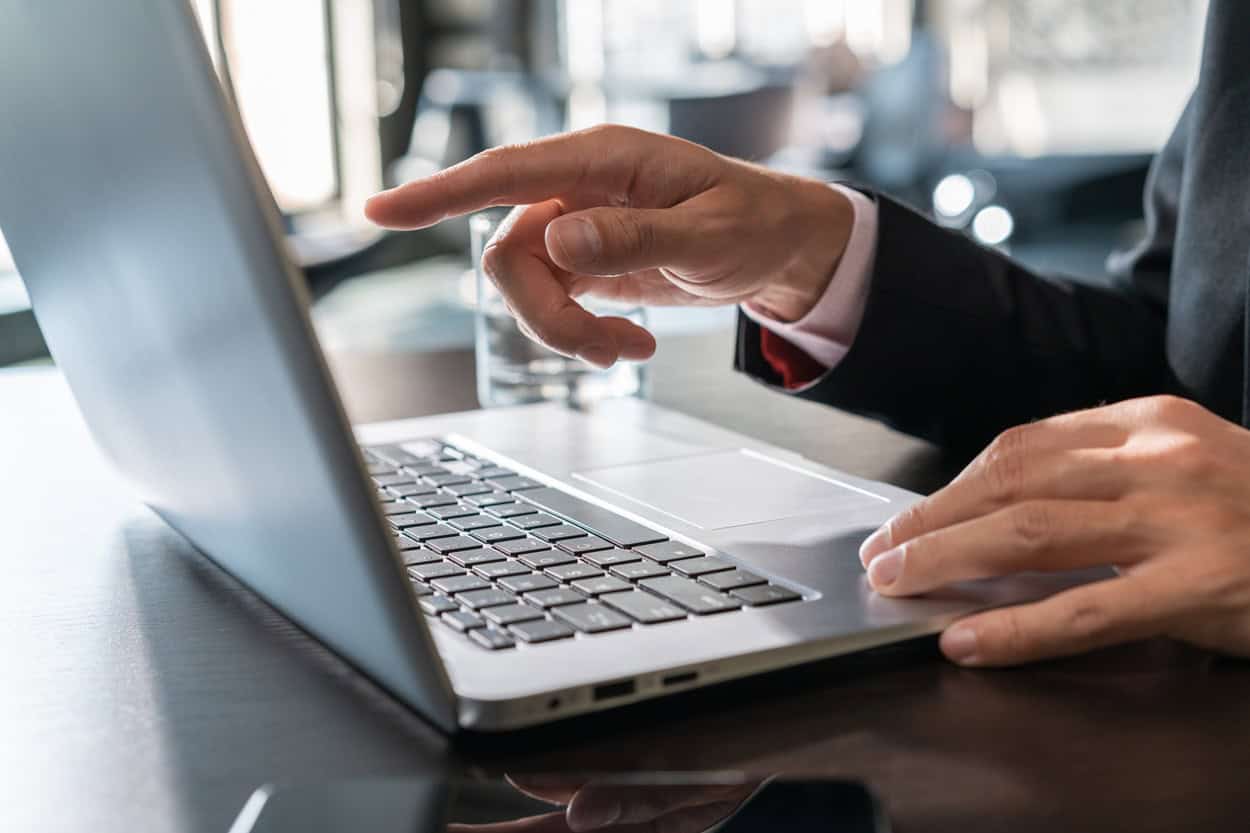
(795,367)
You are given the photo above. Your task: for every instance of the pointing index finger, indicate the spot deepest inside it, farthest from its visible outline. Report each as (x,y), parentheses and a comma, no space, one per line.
(511,175)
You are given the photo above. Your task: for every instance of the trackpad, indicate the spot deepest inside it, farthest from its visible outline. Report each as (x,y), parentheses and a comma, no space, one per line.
(728,488)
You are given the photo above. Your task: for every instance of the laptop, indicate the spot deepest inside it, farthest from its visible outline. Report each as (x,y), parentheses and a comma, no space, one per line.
(492,569)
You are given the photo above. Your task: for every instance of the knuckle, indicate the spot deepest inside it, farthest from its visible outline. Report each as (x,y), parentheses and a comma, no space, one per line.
(606,132)
(906,523)
(1087,621)
(1033,524)
(631,234)
(1009,639)
(1171,408)
(1003,464)
(502,161)
(1189,457)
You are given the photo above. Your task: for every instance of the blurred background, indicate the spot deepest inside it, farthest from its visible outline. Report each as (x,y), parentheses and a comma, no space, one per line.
(1026,123)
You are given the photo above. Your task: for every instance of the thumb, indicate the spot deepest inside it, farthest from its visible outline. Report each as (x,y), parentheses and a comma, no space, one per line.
(617,241)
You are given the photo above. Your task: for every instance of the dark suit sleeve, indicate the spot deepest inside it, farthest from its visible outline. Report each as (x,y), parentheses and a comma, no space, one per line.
(959,342)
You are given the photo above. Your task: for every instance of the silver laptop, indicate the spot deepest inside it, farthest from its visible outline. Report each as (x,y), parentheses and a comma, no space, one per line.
(493,569)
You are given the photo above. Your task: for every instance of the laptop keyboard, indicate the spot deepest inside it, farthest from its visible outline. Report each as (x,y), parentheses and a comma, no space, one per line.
(505,559)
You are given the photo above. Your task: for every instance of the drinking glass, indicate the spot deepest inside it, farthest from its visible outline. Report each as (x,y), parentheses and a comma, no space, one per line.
(512,369)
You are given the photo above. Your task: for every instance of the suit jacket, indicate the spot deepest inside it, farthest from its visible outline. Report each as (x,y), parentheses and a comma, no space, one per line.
(959,342)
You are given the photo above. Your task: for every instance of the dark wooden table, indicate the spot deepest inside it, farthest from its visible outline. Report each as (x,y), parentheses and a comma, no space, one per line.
(145,690)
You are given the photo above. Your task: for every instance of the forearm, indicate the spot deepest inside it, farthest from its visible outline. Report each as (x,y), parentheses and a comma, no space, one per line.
(958,342)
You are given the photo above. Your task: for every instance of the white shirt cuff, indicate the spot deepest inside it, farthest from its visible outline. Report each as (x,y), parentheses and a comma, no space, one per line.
(828,330)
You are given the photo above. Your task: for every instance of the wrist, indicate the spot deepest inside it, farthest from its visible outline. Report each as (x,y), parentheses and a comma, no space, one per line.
(820,228)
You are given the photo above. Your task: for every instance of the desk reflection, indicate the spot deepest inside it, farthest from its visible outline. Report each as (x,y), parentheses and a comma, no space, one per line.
(650,803)
(589,804)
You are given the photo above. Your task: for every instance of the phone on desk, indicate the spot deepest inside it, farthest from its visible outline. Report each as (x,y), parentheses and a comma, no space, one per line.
(674,803)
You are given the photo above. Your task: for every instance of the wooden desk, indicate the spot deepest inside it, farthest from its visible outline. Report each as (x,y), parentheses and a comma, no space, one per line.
(144,690)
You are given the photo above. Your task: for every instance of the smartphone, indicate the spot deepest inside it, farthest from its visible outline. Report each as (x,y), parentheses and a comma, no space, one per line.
(679,802)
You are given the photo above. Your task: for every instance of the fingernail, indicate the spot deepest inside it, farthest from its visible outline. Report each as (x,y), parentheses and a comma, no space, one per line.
(591,816)
(578,240)
(874,544)
(884,569)
(959,643)
(597,354)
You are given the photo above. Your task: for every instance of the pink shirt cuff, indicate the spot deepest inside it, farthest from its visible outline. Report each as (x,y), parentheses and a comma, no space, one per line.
(828,330)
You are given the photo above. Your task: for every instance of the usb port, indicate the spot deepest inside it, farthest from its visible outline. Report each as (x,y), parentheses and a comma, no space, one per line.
(681,678)
(610,691)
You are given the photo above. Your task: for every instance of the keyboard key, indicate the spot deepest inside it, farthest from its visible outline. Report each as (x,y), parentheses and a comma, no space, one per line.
(406,543)
(463,620)
(509,614)
(559,533)
(471,558)
(445,512)
(435,604)
(492,597)
(393,454)
(541,630)
(456,544)
(699,566)
(668,551)
(638,570)
(765,594)
(410,490)
(731,580)
(429,501)
(555,597)
(459,584)
(514,483)
(527,583)
(495,534)
(424,469)
(608,558)
(397,508)
(521,546)
(467,489)
(489,498)
(591,618)
(421,448)
(499,569)
(409,519)
(572,572)
(548,558)
(601,584)
(512,510)
(691,595)
(411,557)
(420,587)
(425,534)
(379,468)
(474,522)
(436,569)
(448,479)
(491,638)
(490,472)
(384,480)
(644,607)
(603,522)
(535,521)
(584,544)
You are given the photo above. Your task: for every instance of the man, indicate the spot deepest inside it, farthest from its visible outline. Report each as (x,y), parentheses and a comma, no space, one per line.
(852,300)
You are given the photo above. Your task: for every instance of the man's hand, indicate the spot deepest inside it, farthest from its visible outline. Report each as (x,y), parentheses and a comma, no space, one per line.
(636,217)
(1157,488)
